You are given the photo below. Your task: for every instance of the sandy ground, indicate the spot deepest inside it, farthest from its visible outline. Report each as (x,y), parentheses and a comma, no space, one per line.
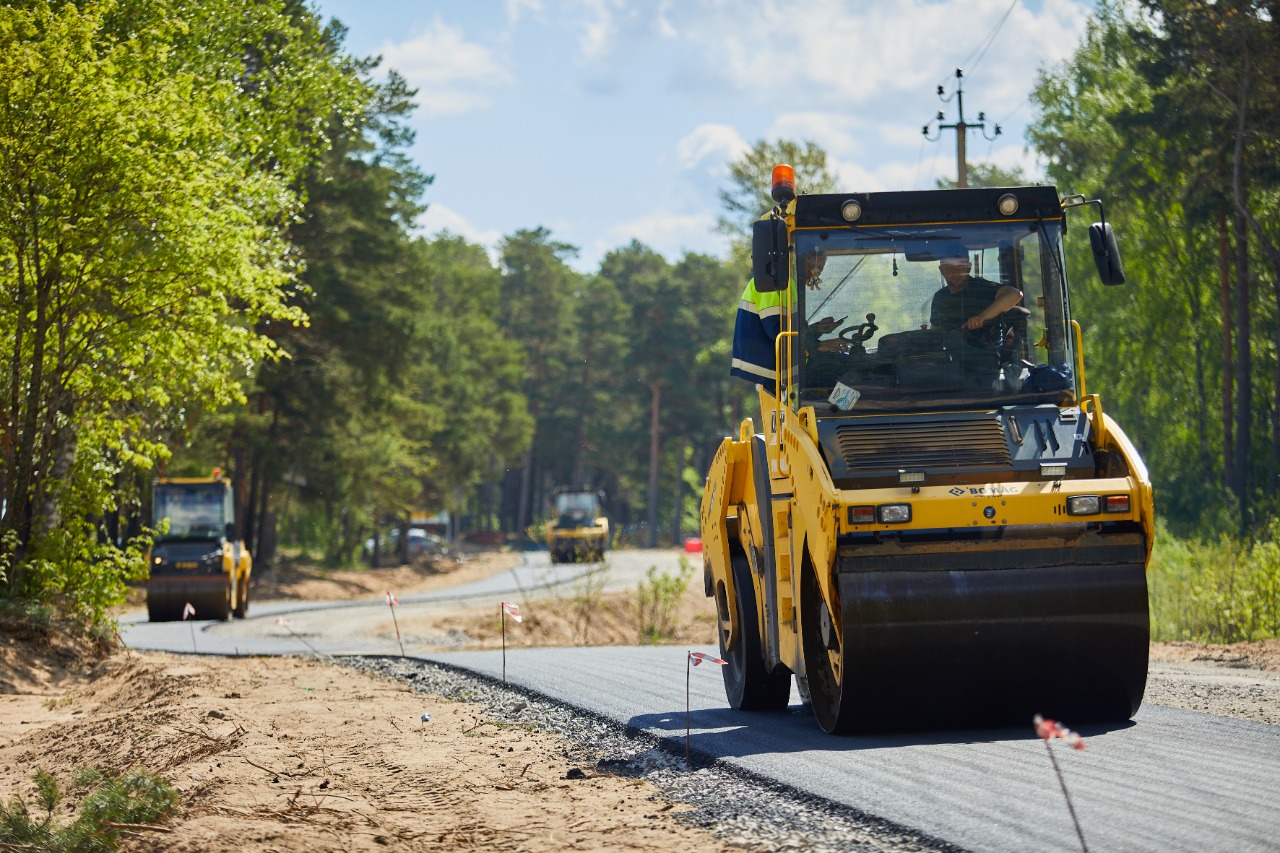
(287,754)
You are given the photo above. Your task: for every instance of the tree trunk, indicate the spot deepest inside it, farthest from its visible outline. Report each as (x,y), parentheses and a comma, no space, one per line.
(1224,284)
(249,532)
(526,485)
(655,409)
(1244,369)
(264,529)
(678,502)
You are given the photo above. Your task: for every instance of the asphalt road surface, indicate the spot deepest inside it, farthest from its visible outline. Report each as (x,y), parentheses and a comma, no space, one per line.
(1169,780)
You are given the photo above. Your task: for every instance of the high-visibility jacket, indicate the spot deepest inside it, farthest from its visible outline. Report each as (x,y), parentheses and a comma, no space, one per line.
(754,331)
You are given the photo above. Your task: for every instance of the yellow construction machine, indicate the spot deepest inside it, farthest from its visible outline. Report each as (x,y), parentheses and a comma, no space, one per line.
(932,525)
(579,529)
(199,558)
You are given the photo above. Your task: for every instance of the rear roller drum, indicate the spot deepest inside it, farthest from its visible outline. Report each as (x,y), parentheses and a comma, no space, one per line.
(748,686)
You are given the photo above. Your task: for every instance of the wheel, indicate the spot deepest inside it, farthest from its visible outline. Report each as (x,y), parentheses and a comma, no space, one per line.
(241,608)
(824,660)
(746,683)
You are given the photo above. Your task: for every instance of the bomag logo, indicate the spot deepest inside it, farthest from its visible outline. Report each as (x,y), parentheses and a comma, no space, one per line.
(983,491)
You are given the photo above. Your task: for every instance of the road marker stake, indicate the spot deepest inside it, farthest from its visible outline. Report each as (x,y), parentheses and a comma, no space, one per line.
(1047,730)
(392,601)
(507,609)
(188,610)
(280,620)
(693,660)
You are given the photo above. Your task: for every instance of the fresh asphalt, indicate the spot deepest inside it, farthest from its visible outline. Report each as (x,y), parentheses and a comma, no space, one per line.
(1170,780)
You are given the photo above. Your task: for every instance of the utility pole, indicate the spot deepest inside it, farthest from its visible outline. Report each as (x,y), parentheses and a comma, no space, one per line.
(961,128)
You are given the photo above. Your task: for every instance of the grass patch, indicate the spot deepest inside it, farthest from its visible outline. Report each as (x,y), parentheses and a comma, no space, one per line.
(1215,591)
(658,601)
(114,807)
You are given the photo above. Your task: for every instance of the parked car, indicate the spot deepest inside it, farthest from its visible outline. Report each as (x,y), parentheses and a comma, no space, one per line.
(421,543)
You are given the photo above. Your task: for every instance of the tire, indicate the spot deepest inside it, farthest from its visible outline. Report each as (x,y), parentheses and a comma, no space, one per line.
(830,693)
(241,608)
(747,685)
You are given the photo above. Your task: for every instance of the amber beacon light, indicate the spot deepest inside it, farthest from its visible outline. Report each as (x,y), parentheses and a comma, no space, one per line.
(784,183)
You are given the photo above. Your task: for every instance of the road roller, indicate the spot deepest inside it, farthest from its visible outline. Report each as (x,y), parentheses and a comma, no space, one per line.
(199,566)
(934,524)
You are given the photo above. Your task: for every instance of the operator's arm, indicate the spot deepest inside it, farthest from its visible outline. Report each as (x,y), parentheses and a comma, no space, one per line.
(1006,297)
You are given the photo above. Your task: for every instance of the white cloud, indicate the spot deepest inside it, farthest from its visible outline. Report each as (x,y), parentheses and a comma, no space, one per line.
(439,219)
(452,75)
(600,33)
(718,142)
(818,53)
(835,133)
(670,234)
(515,9)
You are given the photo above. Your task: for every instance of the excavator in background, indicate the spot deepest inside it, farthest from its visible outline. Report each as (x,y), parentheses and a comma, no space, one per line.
(932,526)
(579,529)
(199,558)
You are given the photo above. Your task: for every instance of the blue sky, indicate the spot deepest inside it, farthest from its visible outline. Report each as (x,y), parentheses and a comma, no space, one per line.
(612,120)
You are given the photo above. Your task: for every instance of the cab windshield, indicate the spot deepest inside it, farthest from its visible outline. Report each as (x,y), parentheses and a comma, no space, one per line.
(194,511)
(578,506)
(887,319)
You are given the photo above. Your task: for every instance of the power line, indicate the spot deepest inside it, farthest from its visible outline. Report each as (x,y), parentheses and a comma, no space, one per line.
(980,51)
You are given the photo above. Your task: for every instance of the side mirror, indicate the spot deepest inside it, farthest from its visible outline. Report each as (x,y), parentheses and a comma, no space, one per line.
(1106,254)
(770,265)
(230,532)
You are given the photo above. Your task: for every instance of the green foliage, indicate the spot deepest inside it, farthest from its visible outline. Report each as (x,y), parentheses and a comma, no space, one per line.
(115,804)
(141,247)
(658,600)
(751,182)
(988,175)
(1148,118)
(1215,591)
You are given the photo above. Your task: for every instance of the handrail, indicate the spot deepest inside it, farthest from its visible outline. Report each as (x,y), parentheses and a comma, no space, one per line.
(1080,357)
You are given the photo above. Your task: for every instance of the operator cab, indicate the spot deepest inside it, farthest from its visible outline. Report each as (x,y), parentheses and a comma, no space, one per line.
(576,509)
(882,332)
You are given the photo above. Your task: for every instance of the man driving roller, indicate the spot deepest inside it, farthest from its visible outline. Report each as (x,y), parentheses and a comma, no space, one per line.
(968,302)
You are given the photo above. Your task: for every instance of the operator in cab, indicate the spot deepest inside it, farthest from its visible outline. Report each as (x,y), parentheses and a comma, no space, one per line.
(966,301)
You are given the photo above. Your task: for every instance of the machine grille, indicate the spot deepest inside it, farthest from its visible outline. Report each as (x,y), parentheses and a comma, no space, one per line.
(923,445)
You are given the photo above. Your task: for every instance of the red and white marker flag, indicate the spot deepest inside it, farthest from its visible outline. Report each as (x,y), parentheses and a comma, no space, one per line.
(1048,729)
(188,610)
(511,610)
(392,601)
(699,657)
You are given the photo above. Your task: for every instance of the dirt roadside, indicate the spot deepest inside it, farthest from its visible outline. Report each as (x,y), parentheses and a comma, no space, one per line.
(288,754)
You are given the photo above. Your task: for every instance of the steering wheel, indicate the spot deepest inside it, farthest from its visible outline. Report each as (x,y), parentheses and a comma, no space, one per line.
(993,335)
(855,336)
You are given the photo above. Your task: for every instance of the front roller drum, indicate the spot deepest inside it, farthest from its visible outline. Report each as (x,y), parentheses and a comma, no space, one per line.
(748,685)
(951,647)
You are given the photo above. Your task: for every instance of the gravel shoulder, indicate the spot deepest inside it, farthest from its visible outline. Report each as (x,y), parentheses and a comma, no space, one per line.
(291,754)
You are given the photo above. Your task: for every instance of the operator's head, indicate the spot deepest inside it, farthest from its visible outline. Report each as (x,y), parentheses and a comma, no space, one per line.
(955,270)
(812,263)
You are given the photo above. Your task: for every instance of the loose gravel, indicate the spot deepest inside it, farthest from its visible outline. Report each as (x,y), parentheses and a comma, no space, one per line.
(740,808)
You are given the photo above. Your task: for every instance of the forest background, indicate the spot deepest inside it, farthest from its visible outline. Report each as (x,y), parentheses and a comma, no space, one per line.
(208,258)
